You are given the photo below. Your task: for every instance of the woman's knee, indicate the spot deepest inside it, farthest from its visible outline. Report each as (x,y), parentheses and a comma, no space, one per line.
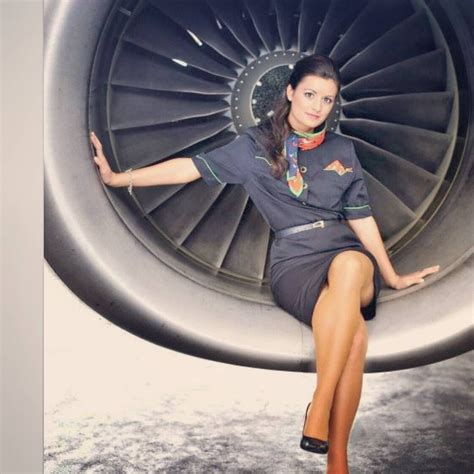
(350,265)
(350,260)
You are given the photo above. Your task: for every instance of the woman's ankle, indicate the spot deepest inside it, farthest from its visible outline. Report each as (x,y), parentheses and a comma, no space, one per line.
(322,403)
(337,462)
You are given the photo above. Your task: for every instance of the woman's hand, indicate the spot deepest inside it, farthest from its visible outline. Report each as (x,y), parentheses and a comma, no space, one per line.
(404,281)
(106,172)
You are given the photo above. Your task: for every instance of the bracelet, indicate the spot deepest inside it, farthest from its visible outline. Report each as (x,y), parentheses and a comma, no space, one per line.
(130,180)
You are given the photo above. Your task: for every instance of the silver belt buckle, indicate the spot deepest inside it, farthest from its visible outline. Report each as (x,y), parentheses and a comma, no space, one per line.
(318,224)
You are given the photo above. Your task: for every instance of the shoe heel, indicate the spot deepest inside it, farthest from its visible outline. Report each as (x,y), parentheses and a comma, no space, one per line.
(313,445)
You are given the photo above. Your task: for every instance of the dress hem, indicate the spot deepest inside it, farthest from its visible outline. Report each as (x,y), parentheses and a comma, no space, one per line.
(368,311)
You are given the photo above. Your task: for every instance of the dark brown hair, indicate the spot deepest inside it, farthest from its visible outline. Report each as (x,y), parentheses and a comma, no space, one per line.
(276,129)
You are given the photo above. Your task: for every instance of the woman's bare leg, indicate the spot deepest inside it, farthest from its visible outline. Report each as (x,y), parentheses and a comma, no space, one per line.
(336,319)
(346,401)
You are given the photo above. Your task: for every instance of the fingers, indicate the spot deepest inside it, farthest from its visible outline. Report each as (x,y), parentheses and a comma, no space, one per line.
(418,276)
(95,141)
(429,270)
(99,157)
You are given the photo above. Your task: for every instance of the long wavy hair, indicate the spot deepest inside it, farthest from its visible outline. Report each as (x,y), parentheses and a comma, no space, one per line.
(277,129)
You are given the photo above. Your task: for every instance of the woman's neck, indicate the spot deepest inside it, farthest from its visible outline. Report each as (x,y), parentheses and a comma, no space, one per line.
(313,130)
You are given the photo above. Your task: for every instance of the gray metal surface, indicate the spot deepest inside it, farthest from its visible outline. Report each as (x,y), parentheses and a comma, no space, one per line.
(107,254)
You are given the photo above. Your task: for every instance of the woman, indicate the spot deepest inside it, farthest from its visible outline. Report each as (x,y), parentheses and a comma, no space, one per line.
(327,258)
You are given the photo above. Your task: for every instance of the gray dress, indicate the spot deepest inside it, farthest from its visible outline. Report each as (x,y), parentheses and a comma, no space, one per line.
(299,263)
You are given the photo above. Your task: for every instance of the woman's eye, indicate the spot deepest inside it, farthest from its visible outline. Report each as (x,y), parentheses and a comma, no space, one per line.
(308,94)
(328,101)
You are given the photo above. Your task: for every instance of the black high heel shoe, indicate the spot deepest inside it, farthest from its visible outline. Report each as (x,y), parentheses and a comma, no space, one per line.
(313,445)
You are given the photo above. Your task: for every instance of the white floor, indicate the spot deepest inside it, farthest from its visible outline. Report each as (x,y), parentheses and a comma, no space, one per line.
(116,403)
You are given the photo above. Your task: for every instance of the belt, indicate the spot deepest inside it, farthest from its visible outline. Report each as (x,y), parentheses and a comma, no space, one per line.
(299,228)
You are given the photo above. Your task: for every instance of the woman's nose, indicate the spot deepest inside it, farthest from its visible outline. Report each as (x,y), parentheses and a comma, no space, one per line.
(317,106)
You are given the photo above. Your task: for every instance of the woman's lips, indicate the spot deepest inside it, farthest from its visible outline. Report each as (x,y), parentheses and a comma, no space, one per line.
(313,116)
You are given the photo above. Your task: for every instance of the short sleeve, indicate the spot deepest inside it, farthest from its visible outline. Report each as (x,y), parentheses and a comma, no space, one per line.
(356,202)
(228,163)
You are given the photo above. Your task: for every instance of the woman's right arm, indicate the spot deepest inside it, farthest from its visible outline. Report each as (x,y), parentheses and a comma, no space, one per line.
(175,171)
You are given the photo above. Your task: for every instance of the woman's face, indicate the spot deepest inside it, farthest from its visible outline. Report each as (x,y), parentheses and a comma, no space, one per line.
(311,102)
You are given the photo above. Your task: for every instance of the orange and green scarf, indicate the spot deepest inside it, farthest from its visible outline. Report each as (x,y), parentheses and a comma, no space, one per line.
(305,141)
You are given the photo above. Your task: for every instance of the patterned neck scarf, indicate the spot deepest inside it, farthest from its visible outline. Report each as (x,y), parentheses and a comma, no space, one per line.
(305,141)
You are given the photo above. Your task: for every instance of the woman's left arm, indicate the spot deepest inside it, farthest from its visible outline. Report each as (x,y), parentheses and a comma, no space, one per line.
(368,233)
